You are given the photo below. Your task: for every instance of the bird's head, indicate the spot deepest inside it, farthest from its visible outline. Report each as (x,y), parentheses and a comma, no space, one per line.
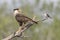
(16,11)
(45,14)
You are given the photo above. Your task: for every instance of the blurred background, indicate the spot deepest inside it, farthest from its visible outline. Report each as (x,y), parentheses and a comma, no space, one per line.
(46,30)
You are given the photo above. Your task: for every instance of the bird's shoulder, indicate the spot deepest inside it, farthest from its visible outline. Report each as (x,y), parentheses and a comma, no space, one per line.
(21,15)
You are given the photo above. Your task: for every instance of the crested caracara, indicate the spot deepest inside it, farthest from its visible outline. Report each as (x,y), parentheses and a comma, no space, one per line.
(21,19)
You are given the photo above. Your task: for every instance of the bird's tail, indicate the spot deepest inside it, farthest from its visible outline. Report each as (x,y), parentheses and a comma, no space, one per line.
(35,22)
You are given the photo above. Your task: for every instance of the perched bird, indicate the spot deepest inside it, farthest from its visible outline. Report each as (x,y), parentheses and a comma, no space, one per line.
(46,16)
(21,19)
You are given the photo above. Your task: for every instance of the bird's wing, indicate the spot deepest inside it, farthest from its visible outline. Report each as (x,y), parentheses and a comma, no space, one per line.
(21,17)
(26,18)
(29,19)
(48,16)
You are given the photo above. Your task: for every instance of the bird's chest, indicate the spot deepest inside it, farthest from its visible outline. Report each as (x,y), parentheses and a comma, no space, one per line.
(20,18)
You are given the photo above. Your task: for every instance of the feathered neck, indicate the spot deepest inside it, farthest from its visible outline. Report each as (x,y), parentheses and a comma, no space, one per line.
(16,12)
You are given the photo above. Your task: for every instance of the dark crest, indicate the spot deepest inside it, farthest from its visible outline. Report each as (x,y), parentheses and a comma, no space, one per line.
(15,9)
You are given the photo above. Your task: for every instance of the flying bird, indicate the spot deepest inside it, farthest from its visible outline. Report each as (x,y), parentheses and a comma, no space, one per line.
(21,19)
(46,16)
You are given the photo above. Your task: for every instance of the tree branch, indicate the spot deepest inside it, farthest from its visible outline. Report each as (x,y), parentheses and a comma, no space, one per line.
(19,33)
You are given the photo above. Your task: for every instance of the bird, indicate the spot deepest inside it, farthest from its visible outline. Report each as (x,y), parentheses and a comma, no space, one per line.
(46,16)
(20,18)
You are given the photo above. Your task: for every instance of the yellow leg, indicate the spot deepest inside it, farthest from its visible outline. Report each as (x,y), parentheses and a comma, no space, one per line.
(20,29)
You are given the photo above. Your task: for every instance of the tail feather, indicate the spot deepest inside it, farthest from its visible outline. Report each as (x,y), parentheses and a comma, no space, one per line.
(35,22)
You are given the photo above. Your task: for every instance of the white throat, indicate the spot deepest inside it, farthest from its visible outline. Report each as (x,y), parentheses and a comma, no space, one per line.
(16,12)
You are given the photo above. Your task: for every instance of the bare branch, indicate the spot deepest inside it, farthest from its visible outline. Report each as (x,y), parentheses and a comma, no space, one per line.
(19,33)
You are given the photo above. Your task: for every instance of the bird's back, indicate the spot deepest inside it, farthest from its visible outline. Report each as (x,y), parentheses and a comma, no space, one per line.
(22,18)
